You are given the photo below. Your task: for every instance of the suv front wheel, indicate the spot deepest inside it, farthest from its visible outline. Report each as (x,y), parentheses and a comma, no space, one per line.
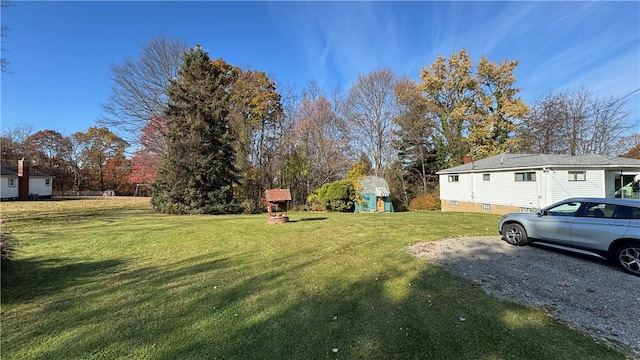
(627,257)
(515,234)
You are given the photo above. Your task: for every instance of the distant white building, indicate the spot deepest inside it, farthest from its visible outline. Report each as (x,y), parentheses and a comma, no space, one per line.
(21,183)
(526,182)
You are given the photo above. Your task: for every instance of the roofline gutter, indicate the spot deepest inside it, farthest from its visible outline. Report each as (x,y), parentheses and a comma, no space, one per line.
(539,167)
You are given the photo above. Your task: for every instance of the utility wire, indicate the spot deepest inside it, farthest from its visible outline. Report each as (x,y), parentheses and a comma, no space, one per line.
(624,97)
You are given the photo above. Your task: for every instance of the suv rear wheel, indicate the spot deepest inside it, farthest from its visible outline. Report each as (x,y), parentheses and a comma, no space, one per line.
(627,257)
(515,234)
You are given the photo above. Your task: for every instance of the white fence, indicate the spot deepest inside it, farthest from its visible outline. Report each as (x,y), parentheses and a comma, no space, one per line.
(76,193)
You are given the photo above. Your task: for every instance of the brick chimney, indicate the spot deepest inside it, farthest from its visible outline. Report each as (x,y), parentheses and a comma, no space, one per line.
(23,179)
(468,159)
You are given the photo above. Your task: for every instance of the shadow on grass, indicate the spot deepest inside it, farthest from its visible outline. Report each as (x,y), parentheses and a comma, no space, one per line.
(309,219)
(241,307)
(37,277)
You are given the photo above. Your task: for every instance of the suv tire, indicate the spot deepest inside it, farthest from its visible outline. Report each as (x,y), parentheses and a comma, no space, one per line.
(627,257)
(514,234)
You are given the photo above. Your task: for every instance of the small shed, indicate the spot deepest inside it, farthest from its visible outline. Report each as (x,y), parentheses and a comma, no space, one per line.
(374,195)
(278,200)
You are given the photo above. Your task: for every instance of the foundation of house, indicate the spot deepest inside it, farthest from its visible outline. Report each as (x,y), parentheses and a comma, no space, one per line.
(463,206)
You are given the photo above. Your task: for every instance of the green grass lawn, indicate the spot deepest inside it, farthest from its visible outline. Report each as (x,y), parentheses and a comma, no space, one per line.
(108,278)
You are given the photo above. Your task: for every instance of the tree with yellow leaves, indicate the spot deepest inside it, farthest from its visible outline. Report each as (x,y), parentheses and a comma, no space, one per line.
(460,111)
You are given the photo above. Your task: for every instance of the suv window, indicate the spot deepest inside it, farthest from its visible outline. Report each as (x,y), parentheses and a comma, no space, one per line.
(623,212)
(567,209)
(597,210)
(611,211)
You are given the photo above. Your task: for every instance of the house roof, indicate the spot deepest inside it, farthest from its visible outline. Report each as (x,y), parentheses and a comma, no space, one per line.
(9,170)
(538,161)
(276,195)
(374,185)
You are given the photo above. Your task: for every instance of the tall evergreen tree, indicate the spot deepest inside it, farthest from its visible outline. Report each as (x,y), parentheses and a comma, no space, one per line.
(197,175)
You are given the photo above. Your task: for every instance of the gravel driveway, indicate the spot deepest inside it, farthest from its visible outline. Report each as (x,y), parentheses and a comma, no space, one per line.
(587,293)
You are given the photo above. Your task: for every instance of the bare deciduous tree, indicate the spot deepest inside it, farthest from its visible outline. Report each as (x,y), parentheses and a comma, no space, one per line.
(323,135)
(12,143)
(629,146)
(370,110)
(605,125)
(139,91)
(575,123)
(4,64)
(538,132)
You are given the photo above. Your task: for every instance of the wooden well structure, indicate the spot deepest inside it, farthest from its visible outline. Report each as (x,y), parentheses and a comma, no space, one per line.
(280,199)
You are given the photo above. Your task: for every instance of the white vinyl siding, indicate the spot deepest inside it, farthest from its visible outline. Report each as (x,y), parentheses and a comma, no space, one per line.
(561,188)
(37,185)
(6,191)
(503,190)
(534,187)
(550,186)
(459,190)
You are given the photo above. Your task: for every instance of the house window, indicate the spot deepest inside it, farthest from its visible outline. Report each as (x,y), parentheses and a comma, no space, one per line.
(526,176)
(486,207)
(47,182)
(454,203)
(577,176)
(12,182)
(454,178)
(486,177)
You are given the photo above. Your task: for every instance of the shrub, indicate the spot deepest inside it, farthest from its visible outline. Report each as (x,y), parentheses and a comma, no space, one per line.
(314,202)
(8,245)
(425,202)
(335,196)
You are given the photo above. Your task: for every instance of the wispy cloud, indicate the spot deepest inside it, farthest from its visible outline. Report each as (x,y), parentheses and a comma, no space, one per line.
(560,45)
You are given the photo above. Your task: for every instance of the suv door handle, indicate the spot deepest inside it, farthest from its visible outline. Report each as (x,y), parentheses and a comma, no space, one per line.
(616,224)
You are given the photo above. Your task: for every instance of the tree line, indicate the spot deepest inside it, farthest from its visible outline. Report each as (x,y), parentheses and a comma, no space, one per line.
(210,137)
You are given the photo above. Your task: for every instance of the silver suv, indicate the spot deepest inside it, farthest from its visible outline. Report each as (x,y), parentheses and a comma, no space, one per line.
(608,228)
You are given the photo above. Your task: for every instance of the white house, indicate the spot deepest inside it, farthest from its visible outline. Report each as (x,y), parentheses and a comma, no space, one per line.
(526,182)
(21,183)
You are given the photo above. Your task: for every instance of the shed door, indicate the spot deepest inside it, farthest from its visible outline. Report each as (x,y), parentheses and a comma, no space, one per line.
(380,204)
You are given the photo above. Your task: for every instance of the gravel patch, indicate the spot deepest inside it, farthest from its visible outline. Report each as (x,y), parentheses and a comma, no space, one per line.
(586,293)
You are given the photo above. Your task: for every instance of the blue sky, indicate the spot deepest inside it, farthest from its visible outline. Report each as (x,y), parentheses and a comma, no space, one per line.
(60,52)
